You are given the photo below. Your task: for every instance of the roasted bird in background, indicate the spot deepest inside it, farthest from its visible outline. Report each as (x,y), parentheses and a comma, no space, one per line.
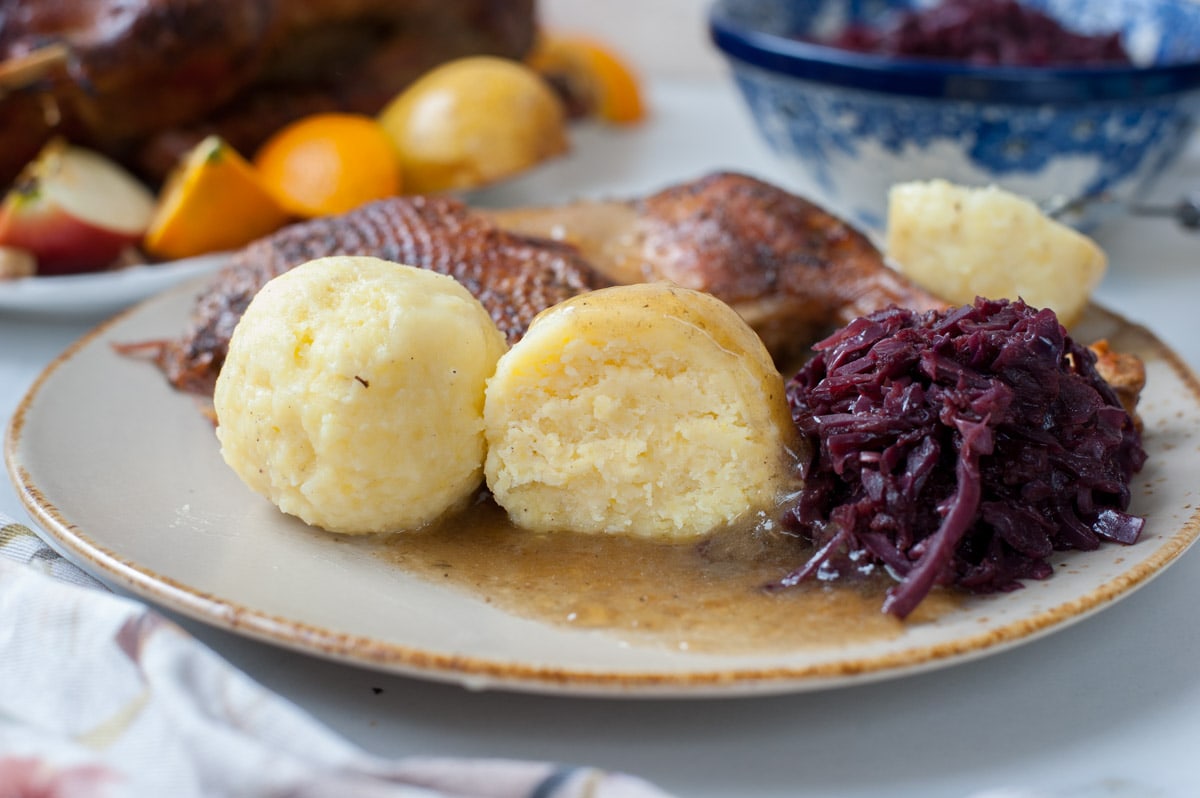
(144,80)
(790,268)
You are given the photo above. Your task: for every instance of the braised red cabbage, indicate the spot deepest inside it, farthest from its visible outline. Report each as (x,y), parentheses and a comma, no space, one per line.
(986,33)
(958,447)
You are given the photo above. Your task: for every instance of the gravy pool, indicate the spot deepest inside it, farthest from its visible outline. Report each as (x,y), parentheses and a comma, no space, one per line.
(705,595)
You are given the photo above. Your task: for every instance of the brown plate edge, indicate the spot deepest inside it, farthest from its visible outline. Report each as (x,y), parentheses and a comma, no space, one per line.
(477,673)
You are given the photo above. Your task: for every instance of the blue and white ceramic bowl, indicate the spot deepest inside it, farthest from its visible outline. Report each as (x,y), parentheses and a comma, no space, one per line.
(854,124)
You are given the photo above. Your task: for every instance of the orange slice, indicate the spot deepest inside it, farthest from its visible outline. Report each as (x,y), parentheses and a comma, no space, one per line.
(214,201)
(329,163)
(593,78)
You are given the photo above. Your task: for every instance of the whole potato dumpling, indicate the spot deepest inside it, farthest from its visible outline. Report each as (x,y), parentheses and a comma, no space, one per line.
(352,395)
(647,409)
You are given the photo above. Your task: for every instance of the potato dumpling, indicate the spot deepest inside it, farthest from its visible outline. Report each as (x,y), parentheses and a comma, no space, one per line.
(352,396)
(472,121)
(649,409)
(961,243)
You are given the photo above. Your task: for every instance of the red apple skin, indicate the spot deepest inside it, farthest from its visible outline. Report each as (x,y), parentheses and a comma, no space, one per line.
(61,243)
(75,210)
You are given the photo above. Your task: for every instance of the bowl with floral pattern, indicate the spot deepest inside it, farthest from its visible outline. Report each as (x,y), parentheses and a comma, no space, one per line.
(856,96)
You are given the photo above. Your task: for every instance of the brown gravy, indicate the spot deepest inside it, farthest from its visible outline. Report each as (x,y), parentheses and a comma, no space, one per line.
(703,596)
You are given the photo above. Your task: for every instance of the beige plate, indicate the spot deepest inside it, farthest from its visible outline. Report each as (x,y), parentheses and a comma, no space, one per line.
(125,476)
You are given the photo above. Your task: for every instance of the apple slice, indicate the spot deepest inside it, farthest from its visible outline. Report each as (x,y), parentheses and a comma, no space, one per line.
(75,210)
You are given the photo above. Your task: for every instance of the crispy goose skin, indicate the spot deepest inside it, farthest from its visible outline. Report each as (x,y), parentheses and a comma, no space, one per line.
(1125,373)
(790,268)
(513,276)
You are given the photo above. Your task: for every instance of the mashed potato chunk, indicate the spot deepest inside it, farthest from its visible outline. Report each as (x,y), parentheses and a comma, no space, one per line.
(961,243)
(648,409)
(352,396)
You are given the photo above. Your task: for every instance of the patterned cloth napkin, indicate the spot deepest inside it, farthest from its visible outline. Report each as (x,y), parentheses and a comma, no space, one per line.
(102,697)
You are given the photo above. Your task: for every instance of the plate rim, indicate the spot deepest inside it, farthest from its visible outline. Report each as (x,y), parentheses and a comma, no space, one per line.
(72,541)
(118,288)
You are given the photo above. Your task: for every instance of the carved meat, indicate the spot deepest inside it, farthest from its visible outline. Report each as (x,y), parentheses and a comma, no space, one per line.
(791,269)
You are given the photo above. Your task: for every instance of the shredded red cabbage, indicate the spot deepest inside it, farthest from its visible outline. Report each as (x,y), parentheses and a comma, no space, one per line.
(986,33)
(958,447)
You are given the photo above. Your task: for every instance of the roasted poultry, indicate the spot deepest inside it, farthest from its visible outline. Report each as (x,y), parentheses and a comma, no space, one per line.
(789,267)
(142,80)
(514,277)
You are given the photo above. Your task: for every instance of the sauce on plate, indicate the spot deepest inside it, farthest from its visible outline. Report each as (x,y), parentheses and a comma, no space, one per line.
(705,596)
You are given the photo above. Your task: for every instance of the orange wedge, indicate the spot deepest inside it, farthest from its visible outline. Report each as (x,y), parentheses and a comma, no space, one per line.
(329,163)
(593,78)
(214,201)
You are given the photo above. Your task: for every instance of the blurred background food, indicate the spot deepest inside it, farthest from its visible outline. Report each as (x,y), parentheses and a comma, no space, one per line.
(851,123)
(286,109)
(16,262)
(473,121)
(328,163)
(593,80)
(214,201)
(73,207)
(983,33)
(145,81)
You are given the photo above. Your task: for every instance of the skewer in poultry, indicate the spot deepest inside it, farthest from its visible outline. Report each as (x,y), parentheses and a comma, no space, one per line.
(790,268)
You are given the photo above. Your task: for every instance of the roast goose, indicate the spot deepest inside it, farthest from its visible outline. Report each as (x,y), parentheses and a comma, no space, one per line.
(143,80)
(790,268)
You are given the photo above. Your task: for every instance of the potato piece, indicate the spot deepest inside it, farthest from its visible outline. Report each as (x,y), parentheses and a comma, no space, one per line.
(648,409)
(16,263)
(961,242)
(352,395)
(473,121)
